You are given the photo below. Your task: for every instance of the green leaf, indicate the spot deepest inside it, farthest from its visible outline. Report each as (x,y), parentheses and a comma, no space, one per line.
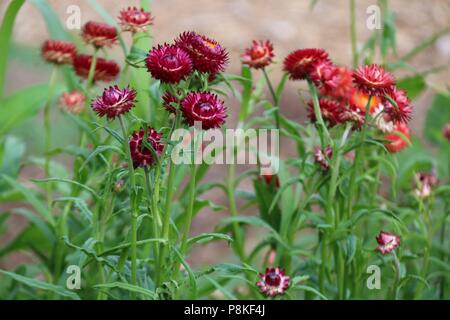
(311,289)
(222,289)
(83,186)
(438,115)
(128,287)
(81,205)
(41,285)
(5,38)
(208,237)
(32,199)
(414,85)
(11,152)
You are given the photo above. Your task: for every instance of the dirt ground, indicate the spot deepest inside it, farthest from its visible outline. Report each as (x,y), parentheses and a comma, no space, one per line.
(289,24)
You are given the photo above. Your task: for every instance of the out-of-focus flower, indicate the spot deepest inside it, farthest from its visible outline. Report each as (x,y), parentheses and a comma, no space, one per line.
(58,52)
(207,54)
(387,242)
(382,121)
(118,186)
(397,142)
(446,131)
(259,55)
(72,102)
(322,158)
(352,114)
(135,20)
(99,34)
(373,80)
(169,63)
(301,63)
(140,154)
(338,83)
(168,101)
(105,70)
(359,99)
(273,282)
(330,110)
(114,102)
(424,183)
(272,180)
(203,107)
(402,111)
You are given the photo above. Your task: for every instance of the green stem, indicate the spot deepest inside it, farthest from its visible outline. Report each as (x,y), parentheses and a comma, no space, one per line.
(325,137)
(154,213)
(274,97)
(355,58)
(238,241)
(133,200)
(397,276)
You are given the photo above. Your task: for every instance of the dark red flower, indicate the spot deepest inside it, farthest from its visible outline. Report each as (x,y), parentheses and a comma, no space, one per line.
(58,52)
(141,155)
(359,99)
(301,63)
(322,158)
(338,83)
(387,242)
(273,282)
(203,107)
(259,55)
(353,114)
(99,34)
(73,102)
(135,20)
(397,142)
(373,80)
(330,110)
(207,54)
(114,102)
(169,63)
(446,131)
(168,101)
(105,70)
(400,112)
(272,180)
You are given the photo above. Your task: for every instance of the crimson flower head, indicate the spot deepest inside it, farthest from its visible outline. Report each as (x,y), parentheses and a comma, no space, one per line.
(387,242)
(400,112)
(105,70)
(322,158)
(58,51)
(373,80)
(338,83)
(446,131)
(259,55)
(301,63)
(203,107)
(207,54)
(330,110)
(273,282)
(272,180)
(141,155)
(135,20)
(114,102)
(169,63)
(168,101)
(99,34)
(72,102)
(397,142)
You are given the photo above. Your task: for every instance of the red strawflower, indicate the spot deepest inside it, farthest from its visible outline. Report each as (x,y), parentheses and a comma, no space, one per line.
(387,242)
(141,155)
(203,107)
(301,63)
(272,180)
(114,102)
(105,70)
(359,99)
(169,63)
(338,83)
(446,131)
(99,34)
(58,52)
(352,114)
(396,142)
(322,71)
(273,282)
(259,55)
(373,80)
(73,102)
(207,54)
(322,158)
(168,101)
(135,20)
(330,111)
(402,111)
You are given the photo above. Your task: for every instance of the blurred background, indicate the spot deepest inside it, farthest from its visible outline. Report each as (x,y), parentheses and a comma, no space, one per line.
(289,24)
